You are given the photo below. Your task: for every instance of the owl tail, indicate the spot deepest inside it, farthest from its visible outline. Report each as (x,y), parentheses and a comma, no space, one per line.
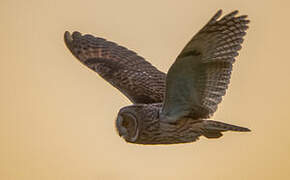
(213,129)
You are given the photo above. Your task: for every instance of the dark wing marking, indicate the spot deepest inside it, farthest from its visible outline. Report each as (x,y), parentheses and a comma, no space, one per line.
(201,73)
(124,69)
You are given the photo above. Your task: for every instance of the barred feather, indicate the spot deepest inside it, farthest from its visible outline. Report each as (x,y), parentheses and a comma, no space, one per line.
(210,55)
(124,69)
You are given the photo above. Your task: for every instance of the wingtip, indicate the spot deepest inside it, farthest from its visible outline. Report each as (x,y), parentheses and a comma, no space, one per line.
(67,37)
(216,16)
(70,37)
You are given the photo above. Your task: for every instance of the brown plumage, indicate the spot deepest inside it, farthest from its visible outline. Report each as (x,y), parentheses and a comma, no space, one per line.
(124,69)
(172,109)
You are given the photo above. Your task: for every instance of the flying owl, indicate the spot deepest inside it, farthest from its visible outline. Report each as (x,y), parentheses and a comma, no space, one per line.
(174,107)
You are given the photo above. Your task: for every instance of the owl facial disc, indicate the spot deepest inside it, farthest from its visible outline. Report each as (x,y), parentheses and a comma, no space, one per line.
(127,126)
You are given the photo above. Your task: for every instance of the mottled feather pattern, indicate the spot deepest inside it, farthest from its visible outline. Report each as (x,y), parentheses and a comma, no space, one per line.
(195,83)
(227,35)
(222,40)
(152,131)
(124,69)
(196,91)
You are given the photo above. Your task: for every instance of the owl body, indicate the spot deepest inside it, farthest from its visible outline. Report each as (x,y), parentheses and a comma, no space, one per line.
(149,127)
(174,107)
(142,124)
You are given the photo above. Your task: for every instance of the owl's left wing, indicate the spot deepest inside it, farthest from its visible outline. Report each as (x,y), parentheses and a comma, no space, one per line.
(201,73)
(124,69)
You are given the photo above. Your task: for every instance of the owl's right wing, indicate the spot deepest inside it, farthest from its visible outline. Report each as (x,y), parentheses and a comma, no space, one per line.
(201,73)
(124,69)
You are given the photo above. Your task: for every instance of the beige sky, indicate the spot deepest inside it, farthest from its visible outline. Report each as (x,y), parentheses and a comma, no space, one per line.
(57,117)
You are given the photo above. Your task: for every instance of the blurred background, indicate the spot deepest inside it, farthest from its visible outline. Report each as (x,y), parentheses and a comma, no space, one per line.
(57,117)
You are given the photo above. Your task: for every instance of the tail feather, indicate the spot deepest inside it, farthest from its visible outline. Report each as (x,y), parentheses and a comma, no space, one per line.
(213,129)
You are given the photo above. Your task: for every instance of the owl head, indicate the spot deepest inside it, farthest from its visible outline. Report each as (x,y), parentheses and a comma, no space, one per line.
(133,122)
(128,124)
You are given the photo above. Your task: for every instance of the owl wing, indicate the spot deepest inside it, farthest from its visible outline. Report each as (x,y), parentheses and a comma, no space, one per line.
(124,69)
(201,73)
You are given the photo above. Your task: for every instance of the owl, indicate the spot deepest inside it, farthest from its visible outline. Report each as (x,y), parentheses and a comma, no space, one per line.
(174,107)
